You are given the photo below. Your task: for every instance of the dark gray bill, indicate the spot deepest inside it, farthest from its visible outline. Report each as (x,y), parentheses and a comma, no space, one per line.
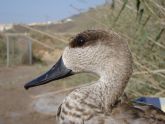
(58,71)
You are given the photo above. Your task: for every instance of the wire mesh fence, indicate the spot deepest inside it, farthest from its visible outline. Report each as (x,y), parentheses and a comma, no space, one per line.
(15,49)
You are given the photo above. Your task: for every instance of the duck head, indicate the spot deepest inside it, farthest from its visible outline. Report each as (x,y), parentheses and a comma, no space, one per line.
(104,53)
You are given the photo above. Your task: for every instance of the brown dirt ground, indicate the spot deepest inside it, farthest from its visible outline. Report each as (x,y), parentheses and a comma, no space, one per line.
(15,101)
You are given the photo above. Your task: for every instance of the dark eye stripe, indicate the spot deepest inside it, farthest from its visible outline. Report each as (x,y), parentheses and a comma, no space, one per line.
(88,37)
(80,40)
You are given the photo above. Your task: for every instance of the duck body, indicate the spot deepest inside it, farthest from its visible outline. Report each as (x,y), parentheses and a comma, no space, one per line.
(107,55)
(82,107)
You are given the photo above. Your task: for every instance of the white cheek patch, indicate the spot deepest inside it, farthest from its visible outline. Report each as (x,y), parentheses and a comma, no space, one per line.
(71,58)
(82,59)
(66,57)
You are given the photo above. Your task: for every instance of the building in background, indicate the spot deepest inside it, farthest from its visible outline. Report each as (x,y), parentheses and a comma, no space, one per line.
(4,27)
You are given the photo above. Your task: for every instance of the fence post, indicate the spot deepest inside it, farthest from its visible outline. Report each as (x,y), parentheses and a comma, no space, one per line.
(8,51)
(30,51)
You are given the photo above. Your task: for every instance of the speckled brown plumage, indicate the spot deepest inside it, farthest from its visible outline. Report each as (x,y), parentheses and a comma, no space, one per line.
(106,54)
(133,112)
(129,113)
(90,37)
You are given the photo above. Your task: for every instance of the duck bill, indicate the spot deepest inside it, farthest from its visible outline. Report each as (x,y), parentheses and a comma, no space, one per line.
(58,71)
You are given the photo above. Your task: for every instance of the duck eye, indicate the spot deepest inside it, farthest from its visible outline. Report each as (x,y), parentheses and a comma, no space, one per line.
(80,40)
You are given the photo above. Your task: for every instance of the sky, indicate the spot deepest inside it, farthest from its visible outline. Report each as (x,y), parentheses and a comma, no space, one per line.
(28,11)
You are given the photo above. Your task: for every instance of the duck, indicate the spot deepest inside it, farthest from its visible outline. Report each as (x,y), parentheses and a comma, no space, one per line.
(106,54)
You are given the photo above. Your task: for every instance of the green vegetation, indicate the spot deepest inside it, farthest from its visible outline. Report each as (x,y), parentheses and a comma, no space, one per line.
(2,50)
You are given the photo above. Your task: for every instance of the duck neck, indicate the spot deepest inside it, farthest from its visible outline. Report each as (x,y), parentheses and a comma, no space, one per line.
(112,83)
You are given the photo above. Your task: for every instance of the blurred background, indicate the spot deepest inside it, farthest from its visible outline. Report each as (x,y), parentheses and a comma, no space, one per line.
(33,35)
